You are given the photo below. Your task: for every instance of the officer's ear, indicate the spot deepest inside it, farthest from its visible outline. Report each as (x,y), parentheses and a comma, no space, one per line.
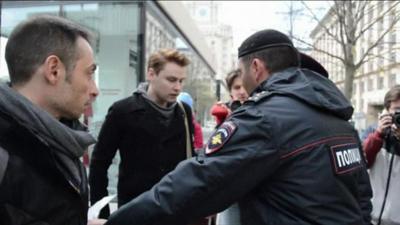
(259,69)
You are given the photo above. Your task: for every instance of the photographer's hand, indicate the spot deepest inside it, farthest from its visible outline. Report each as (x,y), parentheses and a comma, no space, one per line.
(385,121)
(396,131)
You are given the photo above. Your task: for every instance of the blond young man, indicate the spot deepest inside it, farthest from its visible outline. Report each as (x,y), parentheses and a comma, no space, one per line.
(148,129)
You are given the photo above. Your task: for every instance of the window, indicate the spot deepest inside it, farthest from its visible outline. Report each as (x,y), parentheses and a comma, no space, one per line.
(369,84)
(361,107)
(392,43)
(370,15)
(392,80)
(380,26)
(361,87)
(380,47)
(381,62)
(362,22)
(379,12)
(380,82)
(370,66)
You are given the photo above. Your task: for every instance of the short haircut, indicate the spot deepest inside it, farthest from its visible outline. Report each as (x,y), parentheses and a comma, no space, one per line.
(158,59)
(392,95)
(230,78)
(35,39)
(275,58)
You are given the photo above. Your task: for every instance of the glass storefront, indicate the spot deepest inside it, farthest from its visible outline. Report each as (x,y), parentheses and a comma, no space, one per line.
(116,26)
(116,29)
(120,49)
(162,33)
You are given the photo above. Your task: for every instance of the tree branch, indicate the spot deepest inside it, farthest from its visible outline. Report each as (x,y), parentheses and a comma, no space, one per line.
(381,16)
(341,27)
(360,11)
(319,50)
(378,41)
(320,24)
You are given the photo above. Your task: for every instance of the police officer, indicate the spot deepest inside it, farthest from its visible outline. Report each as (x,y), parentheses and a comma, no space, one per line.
(287,156)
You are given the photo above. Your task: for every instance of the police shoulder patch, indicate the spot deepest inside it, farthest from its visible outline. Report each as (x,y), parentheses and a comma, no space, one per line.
(345,158)
(220,137)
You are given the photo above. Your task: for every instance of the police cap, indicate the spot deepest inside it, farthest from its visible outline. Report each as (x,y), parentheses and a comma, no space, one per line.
(262,40)
(270,38)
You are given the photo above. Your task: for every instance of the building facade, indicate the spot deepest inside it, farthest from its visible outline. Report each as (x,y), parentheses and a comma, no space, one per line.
(378,74)
(219,36)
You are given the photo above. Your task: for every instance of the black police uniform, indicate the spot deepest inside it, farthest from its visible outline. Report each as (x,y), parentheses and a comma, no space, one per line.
(287,156)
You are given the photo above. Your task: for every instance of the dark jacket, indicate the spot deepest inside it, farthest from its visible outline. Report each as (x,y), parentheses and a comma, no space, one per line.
(42,180)
(288,156)
(148,147)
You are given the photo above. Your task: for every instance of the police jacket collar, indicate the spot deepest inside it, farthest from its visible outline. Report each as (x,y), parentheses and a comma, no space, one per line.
(309,87)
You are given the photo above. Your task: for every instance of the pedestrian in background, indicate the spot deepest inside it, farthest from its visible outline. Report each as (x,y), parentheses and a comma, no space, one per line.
(238,95)
(152,132)
(287,156)
(42,180)
(382,150)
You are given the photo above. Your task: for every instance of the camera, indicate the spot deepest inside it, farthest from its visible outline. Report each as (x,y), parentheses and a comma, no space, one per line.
(396,118)
(236,104)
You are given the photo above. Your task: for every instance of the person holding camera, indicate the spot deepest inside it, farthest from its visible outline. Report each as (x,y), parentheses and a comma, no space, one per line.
(382,150)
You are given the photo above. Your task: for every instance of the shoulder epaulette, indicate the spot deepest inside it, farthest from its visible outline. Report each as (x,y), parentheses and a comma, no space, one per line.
(259,96)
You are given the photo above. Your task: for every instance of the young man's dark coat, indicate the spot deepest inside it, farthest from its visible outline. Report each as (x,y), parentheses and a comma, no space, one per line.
(149,147)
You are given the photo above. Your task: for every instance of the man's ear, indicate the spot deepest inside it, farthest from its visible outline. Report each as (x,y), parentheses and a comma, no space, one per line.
(150,74)
(54,69)
(260,70)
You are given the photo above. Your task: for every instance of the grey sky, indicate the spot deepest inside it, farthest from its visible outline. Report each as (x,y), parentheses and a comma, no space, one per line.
(247,17)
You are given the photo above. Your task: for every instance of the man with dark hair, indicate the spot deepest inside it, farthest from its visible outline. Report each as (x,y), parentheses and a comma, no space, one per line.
(42,180)
(287,156)
(382,150)
(152,132)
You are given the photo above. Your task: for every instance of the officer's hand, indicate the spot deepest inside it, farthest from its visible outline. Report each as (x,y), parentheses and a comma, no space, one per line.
(97,222)
(385,121)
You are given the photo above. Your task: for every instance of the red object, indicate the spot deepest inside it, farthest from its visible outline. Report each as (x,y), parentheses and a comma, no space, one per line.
(372,145)
(85,159)
(220,112)
(198,135)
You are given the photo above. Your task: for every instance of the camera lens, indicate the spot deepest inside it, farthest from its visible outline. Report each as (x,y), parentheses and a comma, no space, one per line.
(396,119)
